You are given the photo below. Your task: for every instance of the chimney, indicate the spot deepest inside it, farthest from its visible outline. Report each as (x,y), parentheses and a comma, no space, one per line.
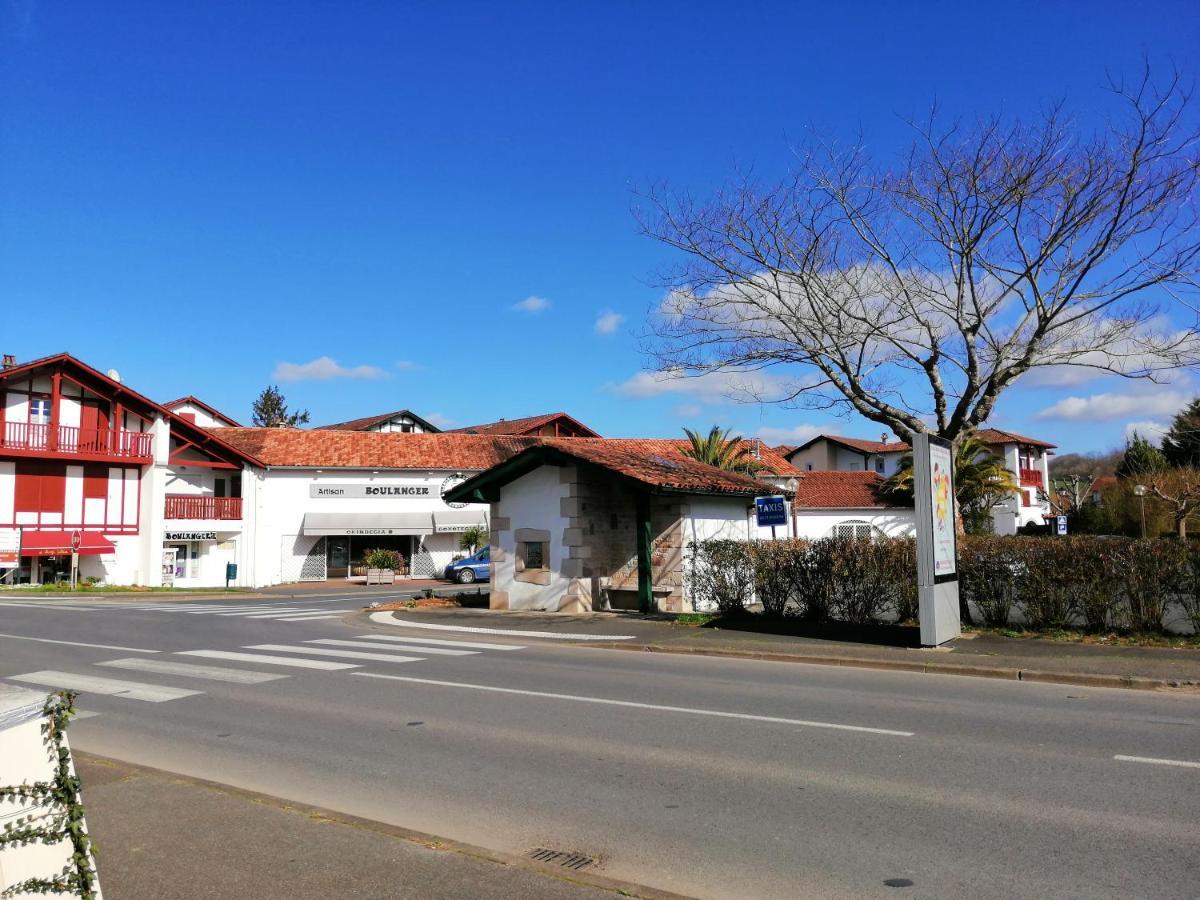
(883,438)
(10,361)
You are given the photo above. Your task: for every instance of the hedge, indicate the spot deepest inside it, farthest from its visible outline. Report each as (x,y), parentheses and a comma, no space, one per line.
(1094,582)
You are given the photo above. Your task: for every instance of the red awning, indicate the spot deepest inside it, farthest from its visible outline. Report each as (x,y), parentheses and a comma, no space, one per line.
(58,543)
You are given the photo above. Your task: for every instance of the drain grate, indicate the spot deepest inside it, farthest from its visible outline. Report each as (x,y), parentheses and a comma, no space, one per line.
(575,861)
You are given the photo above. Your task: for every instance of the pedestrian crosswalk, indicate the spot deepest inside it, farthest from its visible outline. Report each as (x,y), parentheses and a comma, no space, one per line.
(281,611)
(191,673)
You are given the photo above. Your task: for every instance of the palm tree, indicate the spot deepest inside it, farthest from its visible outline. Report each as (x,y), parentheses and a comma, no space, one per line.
(718,449)
(981,482)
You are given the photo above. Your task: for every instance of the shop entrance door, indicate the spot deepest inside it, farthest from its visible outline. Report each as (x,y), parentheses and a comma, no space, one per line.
(337,559)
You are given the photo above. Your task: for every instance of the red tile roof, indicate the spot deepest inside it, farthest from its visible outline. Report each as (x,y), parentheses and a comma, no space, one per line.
(368,422)
(997,436)
(658,464)
(855,444)
(195,401)
(373,450)
(528,425)
(450,450)
(838,490)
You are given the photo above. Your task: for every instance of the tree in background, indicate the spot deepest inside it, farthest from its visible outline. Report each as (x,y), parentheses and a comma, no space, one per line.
(718,449)
(1181,443)
(1141,458)
(981,483)
(915,294)
(472,539)
(270,411)
(1092,465)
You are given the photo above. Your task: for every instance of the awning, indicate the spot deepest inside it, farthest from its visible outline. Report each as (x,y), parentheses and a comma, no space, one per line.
(368,523)
(459,519)
(58,543)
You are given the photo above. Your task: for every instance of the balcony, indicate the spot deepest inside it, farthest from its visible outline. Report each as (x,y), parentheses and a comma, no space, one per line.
(1031,478)
(183,506)
(31,439)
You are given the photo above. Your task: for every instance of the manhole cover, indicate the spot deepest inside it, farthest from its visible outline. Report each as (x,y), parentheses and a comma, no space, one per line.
(575,861)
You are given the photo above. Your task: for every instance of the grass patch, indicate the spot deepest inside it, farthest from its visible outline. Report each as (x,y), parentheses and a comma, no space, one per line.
(694,620)
(1105,639)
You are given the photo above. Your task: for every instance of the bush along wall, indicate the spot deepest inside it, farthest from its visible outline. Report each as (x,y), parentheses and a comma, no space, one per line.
(1098,583)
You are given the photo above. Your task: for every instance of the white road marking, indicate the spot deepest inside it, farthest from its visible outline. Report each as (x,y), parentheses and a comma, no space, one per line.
(387,618)
(265,612)
(438,642)
(269,660)
(213,673)
(86,714)
(225,610)
(133,690)
(651,706)
(1183,763)
(21,637)
(309,618)
(348,654)
(57,607)
(431,651)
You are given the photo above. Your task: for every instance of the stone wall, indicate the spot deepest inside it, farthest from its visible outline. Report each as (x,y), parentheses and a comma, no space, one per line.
(601,543)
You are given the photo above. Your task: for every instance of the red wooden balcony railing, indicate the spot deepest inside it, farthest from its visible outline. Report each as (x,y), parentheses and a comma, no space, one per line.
(182,506)
(69,439)
(1031,478)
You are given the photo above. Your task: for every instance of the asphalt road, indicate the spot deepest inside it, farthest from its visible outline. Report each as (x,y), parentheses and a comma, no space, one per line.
(709,777)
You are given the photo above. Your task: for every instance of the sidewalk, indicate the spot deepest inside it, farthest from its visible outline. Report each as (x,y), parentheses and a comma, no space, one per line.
(977,654)
(163,835)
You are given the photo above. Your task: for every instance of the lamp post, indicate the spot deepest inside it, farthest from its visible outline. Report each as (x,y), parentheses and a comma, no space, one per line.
(1140,492)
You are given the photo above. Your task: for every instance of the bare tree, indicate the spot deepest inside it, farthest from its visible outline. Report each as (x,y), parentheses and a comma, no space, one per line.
(915,295)
(1068,494)
(1178,490)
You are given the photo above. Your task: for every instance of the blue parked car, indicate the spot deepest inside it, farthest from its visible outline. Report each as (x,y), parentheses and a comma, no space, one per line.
(472,569)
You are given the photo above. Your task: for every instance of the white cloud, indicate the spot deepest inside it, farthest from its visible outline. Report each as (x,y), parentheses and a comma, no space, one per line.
(532,305)
(1100,407)
(323,368)
(1151,431)
(440,420)
(687,410)
(709,387)
(608,322)
(793,436)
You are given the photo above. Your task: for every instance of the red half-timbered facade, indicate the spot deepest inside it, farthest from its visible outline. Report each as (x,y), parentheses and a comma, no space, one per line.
(88,465)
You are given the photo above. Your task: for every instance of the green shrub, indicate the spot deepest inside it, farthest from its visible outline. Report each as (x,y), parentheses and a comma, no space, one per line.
(383,559)
(722,575)
(1152,571)
(777,575)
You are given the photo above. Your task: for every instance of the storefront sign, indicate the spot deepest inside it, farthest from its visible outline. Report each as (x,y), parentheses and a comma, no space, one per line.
(190,536)
(770,511)
(370,491)
(10,548)
(368,531)
(454,529)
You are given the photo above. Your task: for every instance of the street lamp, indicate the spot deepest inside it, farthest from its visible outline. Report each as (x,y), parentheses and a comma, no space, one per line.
(1140,492)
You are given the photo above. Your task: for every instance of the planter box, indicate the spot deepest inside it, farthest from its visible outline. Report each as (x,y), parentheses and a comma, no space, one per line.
(381,576)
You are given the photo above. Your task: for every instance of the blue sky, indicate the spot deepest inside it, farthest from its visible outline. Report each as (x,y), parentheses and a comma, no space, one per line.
(358,200)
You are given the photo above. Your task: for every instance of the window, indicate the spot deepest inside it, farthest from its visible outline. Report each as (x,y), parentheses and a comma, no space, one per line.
(406,427)
(854,529)
(39,411)
(532,554)
(879,464)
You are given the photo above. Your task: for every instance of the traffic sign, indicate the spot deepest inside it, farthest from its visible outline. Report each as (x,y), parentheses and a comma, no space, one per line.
(771,511)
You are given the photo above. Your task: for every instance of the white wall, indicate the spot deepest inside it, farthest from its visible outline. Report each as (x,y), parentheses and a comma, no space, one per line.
(532,501)
(711,518)
(813,524)
(275,524)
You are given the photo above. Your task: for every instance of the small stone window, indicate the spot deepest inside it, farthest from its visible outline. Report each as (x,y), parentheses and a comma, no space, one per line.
(532,559)
(854,529)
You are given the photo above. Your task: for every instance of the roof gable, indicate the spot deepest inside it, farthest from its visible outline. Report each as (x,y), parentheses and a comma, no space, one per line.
(530,426)
(366,423)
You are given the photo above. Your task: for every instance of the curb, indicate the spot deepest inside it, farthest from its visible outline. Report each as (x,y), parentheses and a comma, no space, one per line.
(431,841)
(1127,682)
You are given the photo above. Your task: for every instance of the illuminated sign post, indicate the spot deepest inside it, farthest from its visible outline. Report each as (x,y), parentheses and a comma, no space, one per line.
(937,559)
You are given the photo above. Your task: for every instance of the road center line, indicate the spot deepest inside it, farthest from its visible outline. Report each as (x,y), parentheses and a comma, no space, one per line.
(1183,763)
(634,705)
(21,637)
